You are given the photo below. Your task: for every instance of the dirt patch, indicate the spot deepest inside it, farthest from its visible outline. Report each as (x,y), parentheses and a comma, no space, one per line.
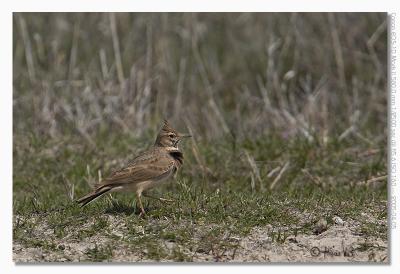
(337,244)
(340,242)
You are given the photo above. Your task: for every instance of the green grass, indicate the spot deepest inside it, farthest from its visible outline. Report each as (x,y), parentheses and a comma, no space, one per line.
(210,208)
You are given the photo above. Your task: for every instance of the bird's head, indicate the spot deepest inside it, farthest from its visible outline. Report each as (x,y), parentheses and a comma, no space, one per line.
(169,137)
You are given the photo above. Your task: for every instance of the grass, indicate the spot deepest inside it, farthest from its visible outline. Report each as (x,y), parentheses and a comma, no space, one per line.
(211,210)
(288,114)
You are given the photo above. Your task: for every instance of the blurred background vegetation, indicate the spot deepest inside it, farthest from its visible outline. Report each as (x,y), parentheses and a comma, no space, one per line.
(243,75)
(271,99)
(288,114)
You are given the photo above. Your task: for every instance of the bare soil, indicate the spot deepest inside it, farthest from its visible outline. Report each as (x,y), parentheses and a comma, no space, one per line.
(338,243)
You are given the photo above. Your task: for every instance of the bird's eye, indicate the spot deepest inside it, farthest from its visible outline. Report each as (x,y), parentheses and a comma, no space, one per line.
(171,135)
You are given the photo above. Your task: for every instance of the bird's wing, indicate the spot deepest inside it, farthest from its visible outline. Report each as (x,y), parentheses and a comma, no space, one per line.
(149,168)
(146,156)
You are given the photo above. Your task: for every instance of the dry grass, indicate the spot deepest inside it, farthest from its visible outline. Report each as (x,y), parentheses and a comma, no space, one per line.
(322,76)
(288,114)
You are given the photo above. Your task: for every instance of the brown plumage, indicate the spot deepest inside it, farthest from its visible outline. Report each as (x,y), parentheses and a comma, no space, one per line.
(145,171)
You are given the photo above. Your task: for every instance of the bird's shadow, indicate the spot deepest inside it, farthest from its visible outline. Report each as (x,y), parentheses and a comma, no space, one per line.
(117,208)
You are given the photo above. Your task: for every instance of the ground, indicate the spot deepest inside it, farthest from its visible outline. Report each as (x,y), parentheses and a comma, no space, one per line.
(119,240)
(216,215)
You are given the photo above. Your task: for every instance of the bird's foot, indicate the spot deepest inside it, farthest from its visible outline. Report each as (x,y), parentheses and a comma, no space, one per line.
(142,214)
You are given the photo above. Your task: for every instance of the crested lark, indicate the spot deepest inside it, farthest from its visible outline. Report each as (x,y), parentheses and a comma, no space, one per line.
(146,170)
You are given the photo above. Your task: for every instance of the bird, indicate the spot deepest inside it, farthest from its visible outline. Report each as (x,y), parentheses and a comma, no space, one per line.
(147,170)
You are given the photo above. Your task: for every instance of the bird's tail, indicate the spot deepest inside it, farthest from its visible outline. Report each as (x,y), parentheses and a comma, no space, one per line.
(93,195)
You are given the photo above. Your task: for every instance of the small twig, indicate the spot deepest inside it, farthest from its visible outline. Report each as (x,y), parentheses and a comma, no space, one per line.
(99,175)
(369,152)
(315,179)
(117,51)
(347,132)
(256,171)
(285,167)
(337,48)
(370,45)
(372,180)
(272,172)
(90,181)
(299,124)
(103,63)
(28,47)
(365,139)
(69,187)
(74,51)
(252,182)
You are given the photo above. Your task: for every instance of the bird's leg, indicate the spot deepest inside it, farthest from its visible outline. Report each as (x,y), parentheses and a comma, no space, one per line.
(139,200)
(157,198)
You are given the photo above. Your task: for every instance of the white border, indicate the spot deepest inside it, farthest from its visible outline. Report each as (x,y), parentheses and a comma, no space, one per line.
(203,5)
(6,9)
